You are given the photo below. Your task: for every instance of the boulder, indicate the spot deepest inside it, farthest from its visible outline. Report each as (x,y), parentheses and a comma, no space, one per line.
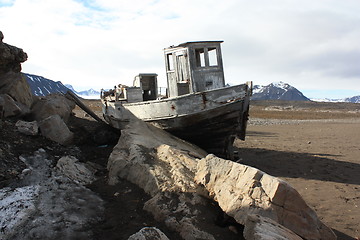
(149,233)
(77,171)
(27,128)
(56,130)
(10,57)
(241,191)
(262,228)
(52,104)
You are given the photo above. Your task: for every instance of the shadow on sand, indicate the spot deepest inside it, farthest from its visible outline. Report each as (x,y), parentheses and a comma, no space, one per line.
(320,166)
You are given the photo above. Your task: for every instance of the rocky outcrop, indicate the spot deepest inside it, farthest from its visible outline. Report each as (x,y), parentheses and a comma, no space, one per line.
(12,82)
(241,191)
(10,57)
(56,130)
(16,100)
(153,159)
(164,167)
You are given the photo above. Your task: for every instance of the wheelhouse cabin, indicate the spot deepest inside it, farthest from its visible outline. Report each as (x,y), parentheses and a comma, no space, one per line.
(147,82)
(194,67)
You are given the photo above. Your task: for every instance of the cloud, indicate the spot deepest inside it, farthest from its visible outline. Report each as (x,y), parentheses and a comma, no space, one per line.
(99,43)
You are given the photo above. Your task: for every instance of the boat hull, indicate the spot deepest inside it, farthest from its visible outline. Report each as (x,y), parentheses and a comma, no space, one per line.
(210,119)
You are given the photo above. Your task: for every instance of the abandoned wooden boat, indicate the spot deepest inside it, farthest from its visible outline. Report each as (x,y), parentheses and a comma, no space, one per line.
(197,106)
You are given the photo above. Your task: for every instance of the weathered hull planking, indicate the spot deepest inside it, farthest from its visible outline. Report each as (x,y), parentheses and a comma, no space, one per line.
(210,119)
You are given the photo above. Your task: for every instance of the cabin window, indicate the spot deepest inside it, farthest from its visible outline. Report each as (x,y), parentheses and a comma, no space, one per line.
(206,57)
(170,62)
(212,57)
(200,57)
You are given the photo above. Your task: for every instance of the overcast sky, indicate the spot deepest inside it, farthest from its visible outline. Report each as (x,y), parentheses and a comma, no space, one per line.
(313,45)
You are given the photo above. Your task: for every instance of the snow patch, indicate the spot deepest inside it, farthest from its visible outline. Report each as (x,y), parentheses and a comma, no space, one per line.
(324,100)
(15,207)
(45,204)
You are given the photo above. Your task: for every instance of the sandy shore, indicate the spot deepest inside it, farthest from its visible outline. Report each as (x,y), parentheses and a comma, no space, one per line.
(320,158)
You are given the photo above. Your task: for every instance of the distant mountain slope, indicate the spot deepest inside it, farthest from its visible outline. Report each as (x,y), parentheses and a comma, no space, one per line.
(278,91)
(355,99)
(91,93)
(41,86)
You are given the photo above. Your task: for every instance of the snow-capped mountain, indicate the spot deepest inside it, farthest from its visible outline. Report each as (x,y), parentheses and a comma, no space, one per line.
(355,99)
(41,86)
(88,94)
(70,87)
(277,91)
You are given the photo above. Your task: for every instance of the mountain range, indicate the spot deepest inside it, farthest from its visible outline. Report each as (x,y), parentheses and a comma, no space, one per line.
(355,99)
(284,91)
(41,86)
(277,91)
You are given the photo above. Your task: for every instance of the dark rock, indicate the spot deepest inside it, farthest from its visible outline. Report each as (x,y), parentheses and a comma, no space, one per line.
(52,104)
(12,82)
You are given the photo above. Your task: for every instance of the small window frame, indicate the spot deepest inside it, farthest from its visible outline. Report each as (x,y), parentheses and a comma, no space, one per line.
(213,56)
(200,57)
(170,62)
(206,57)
